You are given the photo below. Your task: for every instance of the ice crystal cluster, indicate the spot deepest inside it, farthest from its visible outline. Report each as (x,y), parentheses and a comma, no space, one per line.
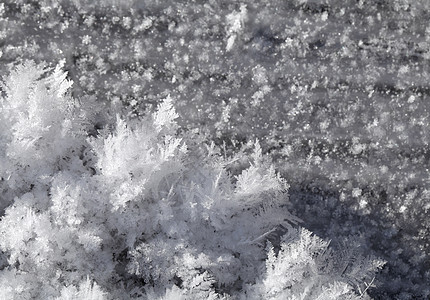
(214,149)
(144,211)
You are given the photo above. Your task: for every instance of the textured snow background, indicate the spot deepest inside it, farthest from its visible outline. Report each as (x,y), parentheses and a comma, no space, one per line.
(336,92)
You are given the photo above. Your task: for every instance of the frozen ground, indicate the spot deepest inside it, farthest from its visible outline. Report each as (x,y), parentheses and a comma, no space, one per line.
(336,91)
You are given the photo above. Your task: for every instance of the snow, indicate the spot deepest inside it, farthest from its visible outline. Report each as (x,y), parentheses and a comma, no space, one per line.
(336,92)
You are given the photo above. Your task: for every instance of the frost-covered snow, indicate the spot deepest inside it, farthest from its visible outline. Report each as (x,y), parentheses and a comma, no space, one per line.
(335,92)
